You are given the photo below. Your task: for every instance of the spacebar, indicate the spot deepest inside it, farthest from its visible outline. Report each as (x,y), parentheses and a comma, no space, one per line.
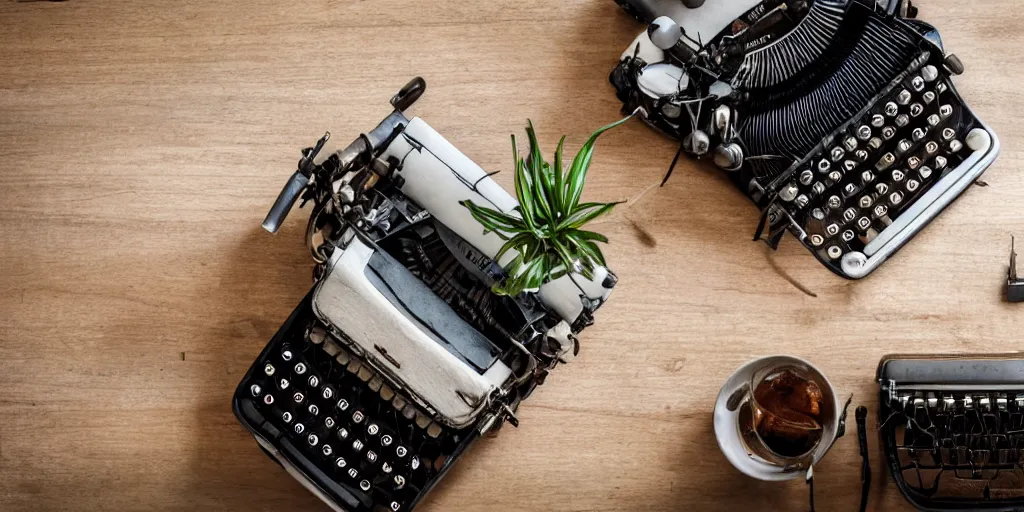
(350,496)
(925,203)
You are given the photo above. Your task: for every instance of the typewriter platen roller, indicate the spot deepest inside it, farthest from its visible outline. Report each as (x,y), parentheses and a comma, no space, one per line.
(838,118)
(952,429)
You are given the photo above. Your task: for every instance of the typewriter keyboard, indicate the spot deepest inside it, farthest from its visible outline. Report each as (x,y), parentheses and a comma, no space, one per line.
(962,446)
(864,178)
(348,423)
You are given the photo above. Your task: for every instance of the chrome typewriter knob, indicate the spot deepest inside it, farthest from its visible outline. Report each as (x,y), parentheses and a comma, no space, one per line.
(729,157)
(664,32)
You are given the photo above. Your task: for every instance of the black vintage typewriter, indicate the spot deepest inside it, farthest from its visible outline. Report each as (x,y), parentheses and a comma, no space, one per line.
(953,430)
(401,357)
(838,118)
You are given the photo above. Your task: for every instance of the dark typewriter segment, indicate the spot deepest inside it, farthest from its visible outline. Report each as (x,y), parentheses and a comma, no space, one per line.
(953,430)
(839,121)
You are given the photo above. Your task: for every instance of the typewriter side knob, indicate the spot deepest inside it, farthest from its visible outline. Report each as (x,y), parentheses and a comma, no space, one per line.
(697,143)
(665,32)
(729,156)
(854,264)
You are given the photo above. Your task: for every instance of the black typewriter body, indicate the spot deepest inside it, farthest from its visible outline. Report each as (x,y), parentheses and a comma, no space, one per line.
(952,430)
(401,356)
(837,118)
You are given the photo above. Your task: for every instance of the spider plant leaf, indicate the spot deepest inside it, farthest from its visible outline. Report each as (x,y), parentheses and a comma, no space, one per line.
(543,188)
(524,189)
(582,235)
(584,214)
(494,220)
(578,170)
(516,243)
(559,187)
(564,254)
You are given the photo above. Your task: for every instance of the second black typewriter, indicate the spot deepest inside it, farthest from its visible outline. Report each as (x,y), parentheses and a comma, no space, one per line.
(401,357)
(838,118)
(952,429)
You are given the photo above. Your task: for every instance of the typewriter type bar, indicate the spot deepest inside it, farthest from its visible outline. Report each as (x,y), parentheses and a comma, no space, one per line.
(401,356)
(838,118)
(952,430)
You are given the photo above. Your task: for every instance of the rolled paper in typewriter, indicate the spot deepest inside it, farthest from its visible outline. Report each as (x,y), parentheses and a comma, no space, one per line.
(787,413)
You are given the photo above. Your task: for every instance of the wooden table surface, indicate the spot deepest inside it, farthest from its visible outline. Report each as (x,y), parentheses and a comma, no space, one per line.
(141,143)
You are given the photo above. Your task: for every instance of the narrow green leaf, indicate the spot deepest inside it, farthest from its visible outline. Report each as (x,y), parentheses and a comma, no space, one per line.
(585,214)
(559,186)
(578,171)
(582,235)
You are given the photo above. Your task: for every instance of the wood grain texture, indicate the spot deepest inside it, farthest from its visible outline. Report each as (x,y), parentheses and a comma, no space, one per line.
(141,144)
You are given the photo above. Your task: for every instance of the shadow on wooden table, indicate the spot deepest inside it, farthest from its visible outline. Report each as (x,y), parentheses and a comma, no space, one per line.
(264,280)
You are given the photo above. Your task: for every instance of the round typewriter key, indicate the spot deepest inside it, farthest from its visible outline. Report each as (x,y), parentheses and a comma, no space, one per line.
(299,428)
(850,189)
(834,202)
(941,88)
(371,456)
(395,506)
(882,189)
(848,235)
(849,166)
(835,252)
(286,355)
(818,188)
(917,83)
(788,193)
(806,177)
(313,409)
(300,368)
(313,439)
(850,214)
(342,404)
(327,450)
(341,463)
(400,451)
(931,147)
(885,162)
(342,433)
(861,155)
(940,162)
(881,210)
(298,397)
(832,230)
(802,201)
(902,120)
(329,422)
(888,132)
(286,417)
(934,120)
(835,176)
(818,214)
(816,240)
(913,185)
(945,111)
(850,143)
(414,463)
(268,399)
(372,429)
(891,109)
(268,369)
(385,440)
(898,175)
(352,473)
(955,146)
(283,384)
(824,165)
(903,147)
(978,139)
(916,109)
(327,393)
(364,485)
(948,133)
(357,445)
(904,97)
(863,223)
(913,162)
(837,154)
(867,177)
(878,120)
(864,132)
(357,417)
(929,73)
(875,143)
(928,97)
(399,481)
(255,389)
(896,198)
(917,134)
(866,201)
(313,381)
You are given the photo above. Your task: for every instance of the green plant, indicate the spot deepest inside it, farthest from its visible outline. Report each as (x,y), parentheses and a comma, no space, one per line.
(545,229)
